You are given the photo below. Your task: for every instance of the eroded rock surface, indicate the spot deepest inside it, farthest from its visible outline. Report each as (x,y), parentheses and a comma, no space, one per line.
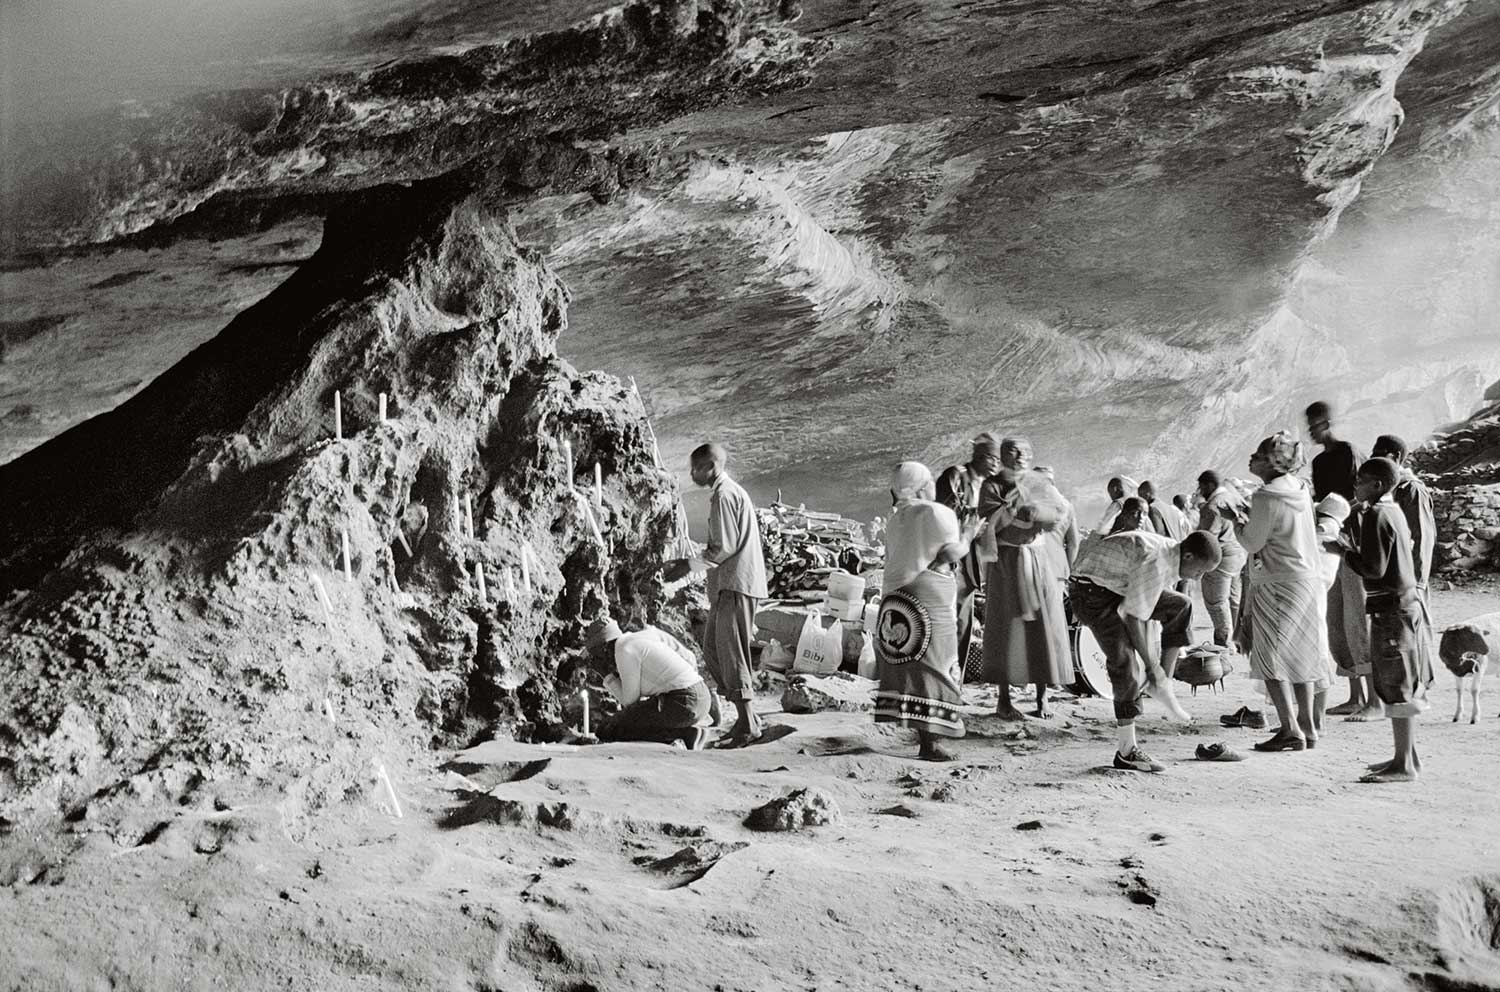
(174,570)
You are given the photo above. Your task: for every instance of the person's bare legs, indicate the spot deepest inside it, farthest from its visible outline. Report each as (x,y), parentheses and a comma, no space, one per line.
(1302,693)
(1320,704)
(1405,766)
(1281,697)
(747,728)
(1354,703)
(1159,685)
(928,748)
(1005,708)
(1372,709)
(1043,711)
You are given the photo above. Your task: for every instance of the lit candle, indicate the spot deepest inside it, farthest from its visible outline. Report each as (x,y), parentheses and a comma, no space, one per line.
(323,597)
(338,416)
(348,569)
(390,790)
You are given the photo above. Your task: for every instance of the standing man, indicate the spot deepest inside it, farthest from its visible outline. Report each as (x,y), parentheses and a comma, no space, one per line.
(1120,583)
(1163,519)
(958,489)
(736,579)
(1333,471)
(1222,511)
(1180,507)
(1118,488)
(1376,544)
(1414,499)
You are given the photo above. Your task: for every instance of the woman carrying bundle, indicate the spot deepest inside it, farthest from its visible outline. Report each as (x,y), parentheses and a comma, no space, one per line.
(1025,625)
(916,636)
(1286,588)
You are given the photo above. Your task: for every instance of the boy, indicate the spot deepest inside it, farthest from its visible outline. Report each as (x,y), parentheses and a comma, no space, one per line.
(1376,545)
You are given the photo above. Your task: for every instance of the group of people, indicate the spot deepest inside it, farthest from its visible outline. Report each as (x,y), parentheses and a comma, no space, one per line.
(1308,577)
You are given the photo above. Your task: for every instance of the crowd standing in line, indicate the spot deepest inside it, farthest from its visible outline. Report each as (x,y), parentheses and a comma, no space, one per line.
(1312,579)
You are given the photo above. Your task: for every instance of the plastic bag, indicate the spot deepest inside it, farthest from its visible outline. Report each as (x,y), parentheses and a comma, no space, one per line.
(833,648)
(812,648)
(866,668)
(774,657)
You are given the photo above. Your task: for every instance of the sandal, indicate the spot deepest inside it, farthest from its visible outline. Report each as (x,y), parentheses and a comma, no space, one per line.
(1217,751)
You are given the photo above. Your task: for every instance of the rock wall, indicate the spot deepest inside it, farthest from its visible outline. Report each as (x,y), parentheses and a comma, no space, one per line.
(1461,464)
(163,632)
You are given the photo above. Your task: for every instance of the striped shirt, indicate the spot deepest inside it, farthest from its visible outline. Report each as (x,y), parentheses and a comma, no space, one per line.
(1133,564)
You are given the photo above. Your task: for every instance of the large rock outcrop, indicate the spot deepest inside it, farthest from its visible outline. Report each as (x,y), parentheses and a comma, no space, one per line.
(163,625)
(1461,464)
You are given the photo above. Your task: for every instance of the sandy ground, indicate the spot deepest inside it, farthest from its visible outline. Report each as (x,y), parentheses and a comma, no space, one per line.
(1026,864)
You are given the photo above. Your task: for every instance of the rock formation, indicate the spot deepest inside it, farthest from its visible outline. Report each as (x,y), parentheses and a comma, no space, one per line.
(177,615)
(1461,464)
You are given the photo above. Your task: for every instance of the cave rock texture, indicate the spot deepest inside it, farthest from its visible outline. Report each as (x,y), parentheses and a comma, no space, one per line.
(162,562)
(1141,233)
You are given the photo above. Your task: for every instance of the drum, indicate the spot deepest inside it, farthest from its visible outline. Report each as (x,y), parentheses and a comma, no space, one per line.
(1090,676)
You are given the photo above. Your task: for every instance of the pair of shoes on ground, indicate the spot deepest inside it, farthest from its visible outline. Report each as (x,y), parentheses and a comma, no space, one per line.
(1245,717)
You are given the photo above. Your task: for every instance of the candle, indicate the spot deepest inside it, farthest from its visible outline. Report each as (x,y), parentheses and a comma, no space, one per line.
(390,790)
(405,548)
(510,586)
(348,569)
(382,408)
(484,599)
(567,453)
(585,711)
(328,710)
(338,416)
(323,597)
(598,486)
(469,514)
(593,524)
(526,568)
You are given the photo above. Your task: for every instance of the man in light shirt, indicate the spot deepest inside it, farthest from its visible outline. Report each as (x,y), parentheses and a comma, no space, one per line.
(736,580)
(1120,584)
(656,680)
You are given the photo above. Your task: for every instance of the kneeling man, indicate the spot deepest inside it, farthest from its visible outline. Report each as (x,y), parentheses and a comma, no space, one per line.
(656,680)
(1119,585)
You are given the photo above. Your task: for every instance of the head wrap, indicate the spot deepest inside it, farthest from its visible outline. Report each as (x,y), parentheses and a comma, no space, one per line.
(1283,452)
(909,479)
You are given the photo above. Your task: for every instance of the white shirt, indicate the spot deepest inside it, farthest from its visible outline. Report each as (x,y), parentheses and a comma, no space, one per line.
(650,663)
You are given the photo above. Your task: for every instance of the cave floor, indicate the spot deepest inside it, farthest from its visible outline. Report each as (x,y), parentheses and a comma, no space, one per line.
(1025,864)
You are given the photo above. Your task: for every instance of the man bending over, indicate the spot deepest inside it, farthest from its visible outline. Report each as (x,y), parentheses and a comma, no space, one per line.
(1119,585)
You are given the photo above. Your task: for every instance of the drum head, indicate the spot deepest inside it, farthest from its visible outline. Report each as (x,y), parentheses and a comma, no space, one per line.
(1090,676)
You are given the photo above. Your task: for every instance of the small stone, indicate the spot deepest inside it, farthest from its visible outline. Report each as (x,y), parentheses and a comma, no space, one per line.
(795,810)
(1029,825)
(839,693)
(898,810)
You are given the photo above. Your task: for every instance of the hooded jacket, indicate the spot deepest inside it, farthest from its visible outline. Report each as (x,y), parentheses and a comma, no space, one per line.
(1282,532)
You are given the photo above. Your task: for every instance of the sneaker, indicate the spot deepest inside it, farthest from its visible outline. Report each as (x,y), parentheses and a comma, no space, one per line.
(1138,761)
(1245,717)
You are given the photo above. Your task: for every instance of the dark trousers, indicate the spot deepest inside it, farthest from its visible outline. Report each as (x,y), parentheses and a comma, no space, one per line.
(1099,609)
(661,718)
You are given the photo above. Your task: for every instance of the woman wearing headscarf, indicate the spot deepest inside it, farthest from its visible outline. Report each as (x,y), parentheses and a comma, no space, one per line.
(916,635)
(1025,626)
(1285,590)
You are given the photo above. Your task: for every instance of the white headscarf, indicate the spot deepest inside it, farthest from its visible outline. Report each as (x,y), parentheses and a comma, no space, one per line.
(909,480)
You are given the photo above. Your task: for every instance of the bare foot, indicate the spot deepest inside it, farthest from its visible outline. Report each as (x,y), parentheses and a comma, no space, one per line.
(1008,711)
(1389,775)
(1366,714)
(1042,712)
(1381,766)
(1345,708)
(1163,694)
(934,752)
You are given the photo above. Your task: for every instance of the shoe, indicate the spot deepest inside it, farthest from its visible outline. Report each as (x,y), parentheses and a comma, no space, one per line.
(1245,717)
(1137,761)
(1280,743)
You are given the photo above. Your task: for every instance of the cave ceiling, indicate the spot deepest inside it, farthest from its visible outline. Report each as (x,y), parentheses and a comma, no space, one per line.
(831,234)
